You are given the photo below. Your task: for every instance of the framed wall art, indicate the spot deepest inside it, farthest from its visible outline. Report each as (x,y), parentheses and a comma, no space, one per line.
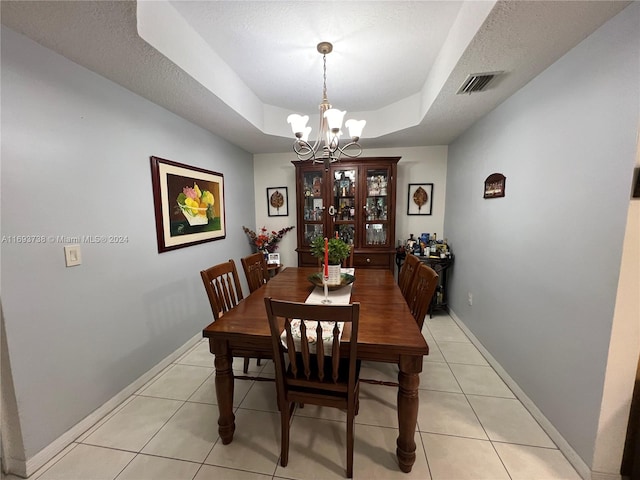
(189,204)
(420,200)
(277,202)
(494,185)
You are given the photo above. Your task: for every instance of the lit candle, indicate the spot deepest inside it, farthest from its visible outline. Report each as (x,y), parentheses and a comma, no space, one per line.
(326,257)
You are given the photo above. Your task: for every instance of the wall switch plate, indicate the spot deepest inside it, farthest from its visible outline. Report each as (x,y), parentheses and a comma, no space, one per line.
(72,255)
(470,298)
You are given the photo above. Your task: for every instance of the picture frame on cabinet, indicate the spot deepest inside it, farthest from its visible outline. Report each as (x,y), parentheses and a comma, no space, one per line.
(188,203)
(420,199)
(277,202)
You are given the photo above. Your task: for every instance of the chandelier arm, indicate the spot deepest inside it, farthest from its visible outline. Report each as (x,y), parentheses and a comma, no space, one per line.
(350,146)
(303,150)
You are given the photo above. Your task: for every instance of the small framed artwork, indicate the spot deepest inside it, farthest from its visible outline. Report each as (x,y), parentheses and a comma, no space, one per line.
(188,203)
(273,259)
(494,185)
(420,200)
(277,202)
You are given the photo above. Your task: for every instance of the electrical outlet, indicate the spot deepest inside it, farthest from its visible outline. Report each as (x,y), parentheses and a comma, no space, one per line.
(72,255)
(470,298)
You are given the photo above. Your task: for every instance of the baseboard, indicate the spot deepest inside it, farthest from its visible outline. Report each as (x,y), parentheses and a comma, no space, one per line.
(581,467)
(28,468)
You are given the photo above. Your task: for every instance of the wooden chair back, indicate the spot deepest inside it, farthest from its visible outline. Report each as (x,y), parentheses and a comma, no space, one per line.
(423,288)
(407,272)
(319,373)
(223,287)
(348,262)
(255,270)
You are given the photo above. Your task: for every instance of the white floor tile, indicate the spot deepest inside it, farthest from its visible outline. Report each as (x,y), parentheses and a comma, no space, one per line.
(178,383)
(206,393)
(209,472)
(387,372)
(456,458)
(435,355)
(375,455)
(438,376)
(147,467)
(104,419)
(448,413)
(479,380)
(134,425)
(458,352)
(532,463)
(188,435)
(447,333)
(198,356)
(317,450)
(89,462)
(506,420)
(378,406)
(255,446)
(261,396)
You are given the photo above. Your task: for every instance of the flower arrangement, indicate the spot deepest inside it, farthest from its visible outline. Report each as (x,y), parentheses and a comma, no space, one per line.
(265,241)
(196,205)
(338,249)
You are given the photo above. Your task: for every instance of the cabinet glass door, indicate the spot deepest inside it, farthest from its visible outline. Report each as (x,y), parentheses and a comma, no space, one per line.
(313,214)
(375,208)
(343,198)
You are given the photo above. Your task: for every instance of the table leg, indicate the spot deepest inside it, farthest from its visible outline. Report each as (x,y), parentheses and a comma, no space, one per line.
(408,380)
(224,391)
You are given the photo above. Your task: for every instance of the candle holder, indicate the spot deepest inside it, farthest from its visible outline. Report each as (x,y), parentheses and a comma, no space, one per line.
(325,285)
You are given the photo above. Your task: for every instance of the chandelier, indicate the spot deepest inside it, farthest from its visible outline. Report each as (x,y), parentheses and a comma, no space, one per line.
(326,148)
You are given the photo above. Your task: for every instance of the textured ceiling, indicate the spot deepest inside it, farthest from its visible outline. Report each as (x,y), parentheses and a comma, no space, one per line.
(237,68)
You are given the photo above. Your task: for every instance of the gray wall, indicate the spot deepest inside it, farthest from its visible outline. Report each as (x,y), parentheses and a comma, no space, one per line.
(75,161)
(543,262)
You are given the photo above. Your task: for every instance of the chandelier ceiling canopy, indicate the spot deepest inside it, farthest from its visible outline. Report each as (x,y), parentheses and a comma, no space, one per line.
(326,147)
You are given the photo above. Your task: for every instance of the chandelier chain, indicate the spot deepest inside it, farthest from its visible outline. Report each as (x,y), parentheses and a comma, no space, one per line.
(324,77)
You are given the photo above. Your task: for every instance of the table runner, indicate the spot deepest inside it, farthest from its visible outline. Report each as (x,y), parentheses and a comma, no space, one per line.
(341,296)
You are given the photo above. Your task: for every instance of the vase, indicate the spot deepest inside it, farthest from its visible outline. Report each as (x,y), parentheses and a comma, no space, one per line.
(334,275)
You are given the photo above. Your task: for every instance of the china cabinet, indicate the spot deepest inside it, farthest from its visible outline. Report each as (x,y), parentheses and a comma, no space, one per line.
(354,199)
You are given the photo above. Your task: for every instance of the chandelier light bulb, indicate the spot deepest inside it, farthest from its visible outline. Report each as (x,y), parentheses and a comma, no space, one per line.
(334,118)
(355,128)
(298,123)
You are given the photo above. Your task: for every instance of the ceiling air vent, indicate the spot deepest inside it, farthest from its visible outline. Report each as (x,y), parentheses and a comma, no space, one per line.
(477,82)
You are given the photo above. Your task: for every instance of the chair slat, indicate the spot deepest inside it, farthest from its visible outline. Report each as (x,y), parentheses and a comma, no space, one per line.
(320,351)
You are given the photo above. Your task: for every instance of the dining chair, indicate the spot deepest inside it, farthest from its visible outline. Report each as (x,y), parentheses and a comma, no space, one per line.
(422,290)
(224,291)
(407,272)
(315,372)
(348,262)
(255,270)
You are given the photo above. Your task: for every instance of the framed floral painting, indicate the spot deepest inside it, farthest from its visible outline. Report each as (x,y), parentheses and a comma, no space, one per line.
(189,204)
(420,200)
(277,202)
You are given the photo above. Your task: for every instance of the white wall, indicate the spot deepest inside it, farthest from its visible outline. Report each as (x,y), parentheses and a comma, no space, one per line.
(417,165)
(543,263)
(75,161)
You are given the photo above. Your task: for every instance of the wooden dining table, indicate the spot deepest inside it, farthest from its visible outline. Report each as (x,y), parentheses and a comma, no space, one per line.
(387,333)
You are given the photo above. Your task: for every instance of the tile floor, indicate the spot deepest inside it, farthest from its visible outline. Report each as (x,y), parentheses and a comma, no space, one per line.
(470,426)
